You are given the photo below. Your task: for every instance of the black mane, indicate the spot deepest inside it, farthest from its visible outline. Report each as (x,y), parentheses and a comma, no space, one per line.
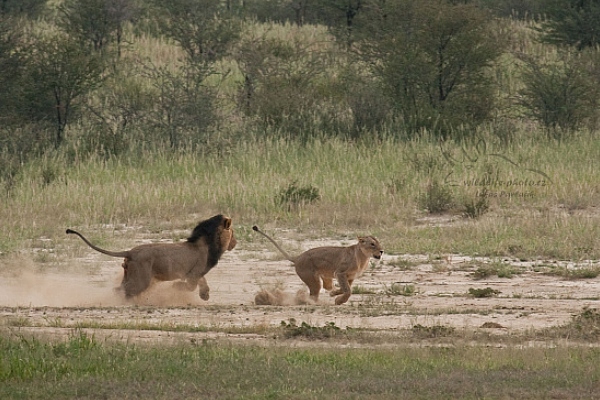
(209,229)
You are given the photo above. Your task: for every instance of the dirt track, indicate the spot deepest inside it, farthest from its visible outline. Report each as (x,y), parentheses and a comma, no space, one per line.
(53,302)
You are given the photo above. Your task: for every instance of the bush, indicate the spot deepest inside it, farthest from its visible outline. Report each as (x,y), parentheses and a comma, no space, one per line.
(436,199)
(295,195)
(572,22)
(562,96)
(476,208)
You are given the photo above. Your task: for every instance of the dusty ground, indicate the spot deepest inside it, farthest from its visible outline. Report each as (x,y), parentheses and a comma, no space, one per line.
(55,299)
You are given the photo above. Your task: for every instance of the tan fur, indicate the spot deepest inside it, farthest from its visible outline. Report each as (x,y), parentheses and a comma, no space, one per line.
(186,261)
(345,264)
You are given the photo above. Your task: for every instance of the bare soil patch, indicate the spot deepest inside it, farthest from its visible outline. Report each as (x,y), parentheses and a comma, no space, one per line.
(397,293)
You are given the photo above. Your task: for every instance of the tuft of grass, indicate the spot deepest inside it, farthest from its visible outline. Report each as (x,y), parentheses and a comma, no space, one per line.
(485,292)
(434,331)
(292,330)
(398,289)
(495,269)
(358,289)
(585,272)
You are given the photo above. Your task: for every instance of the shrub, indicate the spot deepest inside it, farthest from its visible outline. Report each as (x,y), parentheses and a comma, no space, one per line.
(561,96)
(572,22)
(476,208)
(295,195)
(436,199)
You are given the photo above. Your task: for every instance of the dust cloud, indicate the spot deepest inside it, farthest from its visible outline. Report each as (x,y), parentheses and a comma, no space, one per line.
(22,284)
(277,297)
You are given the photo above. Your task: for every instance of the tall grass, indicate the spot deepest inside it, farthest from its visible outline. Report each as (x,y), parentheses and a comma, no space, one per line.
(541,194)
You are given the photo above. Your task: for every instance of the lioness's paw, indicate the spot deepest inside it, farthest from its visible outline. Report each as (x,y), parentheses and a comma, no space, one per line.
(204,296)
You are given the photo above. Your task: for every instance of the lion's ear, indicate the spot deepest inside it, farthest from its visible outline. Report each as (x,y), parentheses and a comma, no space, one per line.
(227,223)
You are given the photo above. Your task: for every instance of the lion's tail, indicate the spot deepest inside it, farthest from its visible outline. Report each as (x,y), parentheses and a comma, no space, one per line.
(107,252)
(285,254)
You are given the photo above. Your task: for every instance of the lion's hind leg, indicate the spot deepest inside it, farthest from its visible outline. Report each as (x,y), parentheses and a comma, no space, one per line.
(136,278)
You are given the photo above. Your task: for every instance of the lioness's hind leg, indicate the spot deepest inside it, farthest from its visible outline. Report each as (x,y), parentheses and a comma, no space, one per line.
(313,282)
(327,283)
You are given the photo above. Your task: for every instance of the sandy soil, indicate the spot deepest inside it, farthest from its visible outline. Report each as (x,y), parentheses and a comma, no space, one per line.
(54,300)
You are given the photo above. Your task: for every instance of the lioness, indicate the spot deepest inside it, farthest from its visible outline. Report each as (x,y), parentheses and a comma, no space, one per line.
(324,263)
(188,261)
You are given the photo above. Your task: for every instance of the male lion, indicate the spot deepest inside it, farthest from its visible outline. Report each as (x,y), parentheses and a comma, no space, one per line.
(188,261)
(324,263)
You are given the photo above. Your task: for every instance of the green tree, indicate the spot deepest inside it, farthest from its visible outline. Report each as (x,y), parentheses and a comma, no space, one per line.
(562,95)
(96,22)
(339,16)
(205,29)
(11,60)
(572,22)
(281,83)
(433,59)
(183,108)
(59,74)
(30,8)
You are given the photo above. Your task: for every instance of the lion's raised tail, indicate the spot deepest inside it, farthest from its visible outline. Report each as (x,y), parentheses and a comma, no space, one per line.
(107,252)
(285,254)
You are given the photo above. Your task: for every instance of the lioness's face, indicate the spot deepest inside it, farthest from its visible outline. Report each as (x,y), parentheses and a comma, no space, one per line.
(371,246)
(227,237)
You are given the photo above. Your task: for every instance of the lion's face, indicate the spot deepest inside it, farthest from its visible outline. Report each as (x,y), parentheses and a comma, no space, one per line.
(227,237)
(370,246)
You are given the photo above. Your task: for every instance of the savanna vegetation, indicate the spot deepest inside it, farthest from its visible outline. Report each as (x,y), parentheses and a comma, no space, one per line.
(122,111)
(439,126)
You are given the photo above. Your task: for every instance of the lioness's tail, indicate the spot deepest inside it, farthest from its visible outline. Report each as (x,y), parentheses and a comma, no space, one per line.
(285,254)
(107,252)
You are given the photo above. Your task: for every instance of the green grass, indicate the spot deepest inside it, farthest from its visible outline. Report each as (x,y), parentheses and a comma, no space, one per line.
(363,188)
(83,367)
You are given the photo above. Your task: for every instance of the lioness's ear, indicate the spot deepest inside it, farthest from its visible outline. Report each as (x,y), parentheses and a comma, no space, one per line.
(227,223)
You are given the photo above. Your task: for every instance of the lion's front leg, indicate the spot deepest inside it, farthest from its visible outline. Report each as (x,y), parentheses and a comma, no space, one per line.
(204,289)
(190,285)
(344,291)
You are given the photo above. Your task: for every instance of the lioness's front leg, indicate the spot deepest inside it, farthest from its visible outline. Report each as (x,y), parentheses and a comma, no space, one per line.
(339,291)
(345,290)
